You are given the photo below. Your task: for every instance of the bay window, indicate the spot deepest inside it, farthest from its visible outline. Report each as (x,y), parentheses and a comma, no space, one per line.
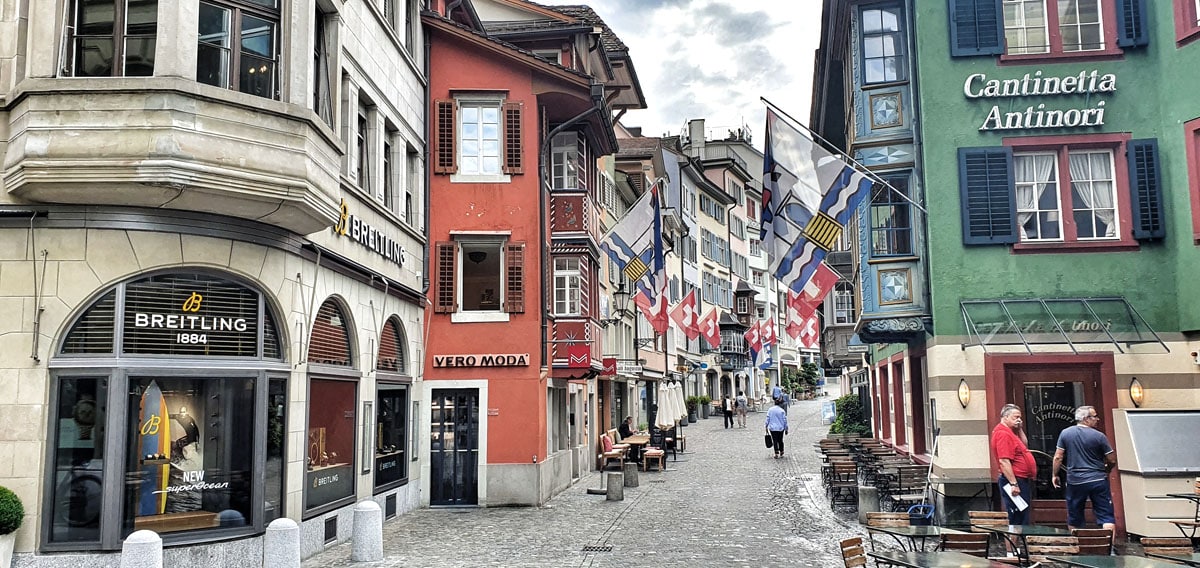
(566,287)
(883,45)
(113,39)
(891,219)
(239,46)
(568,161)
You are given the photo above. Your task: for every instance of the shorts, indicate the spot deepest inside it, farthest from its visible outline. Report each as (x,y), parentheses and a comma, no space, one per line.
(1100,495)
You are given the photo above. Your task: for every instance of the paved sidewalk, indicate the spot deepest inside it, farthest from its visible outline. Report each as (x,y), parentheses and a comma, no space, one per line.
(726,502)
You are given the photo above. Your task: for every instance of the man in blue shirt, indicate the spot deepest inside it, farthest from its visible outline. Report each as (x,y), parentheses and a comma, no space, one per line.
(777,426)
(1089,458)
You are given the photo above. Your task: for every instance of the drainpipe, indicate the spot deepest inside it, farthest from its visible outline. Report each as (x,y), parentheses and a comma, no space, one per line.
(543,190)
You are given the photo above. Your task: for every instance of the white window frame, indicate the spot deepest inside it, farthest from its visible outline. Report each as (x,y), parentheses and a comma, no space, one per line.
(567,283)
(1026,211)
(479,103)
(843,306)
(568,161)
(463,315)
(1017,33)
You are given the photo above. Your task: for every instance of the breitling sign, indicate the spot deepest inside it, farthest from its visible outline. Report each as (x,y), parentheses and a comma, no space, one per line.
(359,231)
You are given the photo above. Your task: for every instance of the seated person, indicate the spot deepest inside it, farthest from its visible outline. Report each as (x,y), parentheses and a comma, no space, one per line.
(626,428)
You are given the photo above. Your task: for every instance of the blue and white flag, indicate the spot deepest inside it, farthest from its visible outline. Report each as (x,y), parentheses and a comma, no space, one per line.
(809,195)
(765,359)
(635,246)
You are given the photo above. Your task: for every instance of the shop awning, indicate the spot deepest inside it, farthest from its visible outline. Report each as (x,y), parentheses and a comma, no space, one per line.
(1055,321)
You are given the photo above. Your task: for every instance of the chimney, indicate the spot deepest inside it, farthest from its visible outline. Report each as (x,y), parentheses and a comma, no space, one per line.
(696,137)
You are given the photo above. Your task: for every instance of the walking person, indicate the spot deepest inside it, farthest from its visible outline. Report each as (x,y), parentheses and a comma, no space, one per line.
(727,405)
(1010,447)
(1089,458)
(777,426)
(740,408)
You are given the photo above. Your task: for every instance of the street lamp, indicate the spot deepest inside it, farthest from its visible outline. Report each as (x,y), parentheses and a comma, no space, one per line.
(620,306)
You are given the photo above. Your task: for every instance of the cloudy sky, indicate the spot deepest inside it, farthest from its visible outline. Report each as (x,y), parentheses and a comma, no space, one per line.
(713,59)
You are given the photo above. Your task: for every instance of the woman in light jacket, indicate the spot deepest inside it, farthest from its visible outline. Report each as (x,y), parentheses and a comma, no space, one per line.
(777,425)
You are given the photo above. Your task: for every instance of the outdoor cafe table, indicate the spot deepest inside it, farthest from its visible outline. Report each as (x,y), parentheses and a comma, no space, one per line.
(636,443)
(1193,497)
(1013,533)
(914,534)
(947,559)
(1192,559)
(1112,562)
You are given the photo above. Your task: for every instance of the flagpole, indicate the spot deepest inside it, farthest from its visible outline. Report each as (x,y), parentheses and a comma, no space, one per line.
(830,146)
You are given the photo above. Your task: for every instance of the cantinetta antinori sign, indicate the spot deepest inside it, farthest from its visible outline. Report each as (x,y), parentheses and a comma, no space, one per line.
(1037,116)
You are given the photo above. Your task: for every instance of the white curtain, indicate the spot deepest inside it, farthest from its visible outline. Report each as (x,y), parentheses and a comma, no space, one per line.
(1097,192)
(1033,177)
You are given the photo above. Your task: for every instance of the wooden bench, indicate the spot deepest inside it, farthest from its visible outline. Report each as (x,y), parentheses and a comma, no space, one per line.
(609,452)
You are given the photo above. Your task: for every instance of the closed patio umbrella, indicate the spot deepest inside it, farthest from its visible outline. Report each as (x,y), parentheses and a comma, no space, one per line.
(680,404)
(665,418)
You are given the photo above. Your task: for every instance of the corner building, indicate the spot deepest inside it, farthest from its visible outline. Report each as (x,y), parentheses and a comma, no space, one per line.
(1055,148)
(211,249)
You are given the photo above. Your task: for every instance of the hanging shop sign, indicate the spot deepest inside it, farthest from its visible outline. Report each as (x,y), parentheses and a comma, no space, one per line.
(482,360)
(1038,116)
(359,231)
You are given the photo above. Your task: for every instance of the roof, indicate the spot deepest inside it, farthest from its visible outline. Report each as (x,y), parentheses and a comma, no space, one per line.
(639,146)
(586,14)
(534,60)
(531,25)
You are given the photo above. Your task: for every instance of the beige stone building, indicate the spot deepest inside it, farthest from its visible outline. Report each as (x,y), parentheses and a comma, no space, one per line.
(211,270)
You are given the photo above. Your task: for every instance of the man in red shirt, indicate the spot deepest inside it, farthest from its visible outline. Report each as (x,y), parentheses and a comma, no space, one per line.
(1017,468)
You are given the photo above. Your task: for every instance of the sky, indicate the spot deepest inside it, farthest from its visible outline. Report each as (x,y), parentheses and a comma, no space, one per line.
(714,59)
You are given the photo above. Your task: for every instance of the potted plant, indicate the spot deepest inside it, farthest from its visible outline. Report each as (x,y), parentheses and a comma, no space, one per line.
(705,401)
(693,404)
(11,514)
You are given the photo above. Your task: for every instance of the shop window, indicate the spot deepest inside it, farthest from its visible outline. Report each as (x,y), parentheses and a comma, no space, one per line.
(76,491)
(567,283)
(113,39)
(883,45)
(891,219)
(480,275)
(273,490)
(1187,21)
(93,332)
(329,456)
(391,436)
(330,341)
(1040,29)
(1069,194)
(190,464)
(478,139)
(392,358)
(239,46)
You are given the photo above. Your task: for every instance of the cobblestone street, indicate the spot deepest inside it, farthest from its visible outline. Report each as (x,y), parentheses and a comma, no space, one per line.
(726,502)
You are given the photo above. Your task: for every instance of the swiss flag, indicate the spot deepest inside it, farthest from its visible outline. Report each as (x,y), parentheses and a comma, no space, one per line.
(794,320)
(766,329)
(685,315)
(656,315)
(814,291)
(810,333)
(754,338)
(709,330)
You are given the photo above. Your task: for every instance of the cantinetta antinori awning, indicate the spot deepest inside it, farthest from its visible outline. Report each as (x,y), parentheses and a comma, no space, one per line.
(1070,321)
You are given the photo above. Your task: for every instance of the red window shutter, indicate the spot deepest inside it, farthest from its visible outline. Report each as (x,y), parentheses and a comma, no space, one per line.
(447,267)
(514,278)
(445,136)
(513,158)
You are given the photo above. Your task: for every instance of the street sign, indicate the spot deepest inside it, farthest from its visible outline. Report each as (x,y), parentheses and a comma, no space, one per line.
(703,365)
(683,368)
(629,368)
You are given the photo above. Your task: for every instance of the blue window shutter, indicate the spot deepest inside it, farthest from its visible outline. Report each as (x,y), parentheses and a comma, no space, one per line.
(1131,23)
(1145,188)
(976,27)
(985,185)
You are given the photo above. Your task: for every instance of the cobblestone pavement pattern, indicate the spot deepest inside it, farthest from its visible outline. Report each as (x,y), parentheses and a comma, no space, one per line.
(726,502)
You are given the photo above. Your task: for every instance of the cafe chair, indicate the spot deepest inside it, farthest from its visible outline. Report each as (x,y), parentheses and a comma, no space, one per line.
(975,544)
(609,454)
(1169,545)
(1042,546)
(988,518)
(1094,541)
(853,554)
(885,519)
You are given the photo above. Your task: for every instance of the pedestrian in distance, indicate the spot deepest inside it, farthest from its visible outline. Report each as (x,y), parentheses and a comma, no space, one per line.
(1089,458)
(1010,447)
(727,405)
(777,393)
(777,426)
(740,408)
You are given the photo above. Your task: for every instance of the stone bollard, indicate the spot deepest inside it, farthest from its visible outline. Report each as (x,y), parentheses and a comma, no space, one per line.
(868,502)
(631,475)
(281,544)
(616,487)
(368,533)
(142,549)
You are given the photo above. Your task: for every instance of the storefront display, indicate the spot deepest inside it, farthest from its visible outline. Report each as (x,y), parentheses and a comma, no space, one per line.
(330,456)
(78,459)
(391,457)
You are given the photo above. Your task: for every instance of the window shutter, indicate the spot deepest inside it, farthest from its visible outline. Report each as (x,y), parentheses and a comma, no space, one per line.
(1131,23)
(445,136)
(447,267)
(513,158)
(985,184)
(1145,188)
(976,27)
(514,278)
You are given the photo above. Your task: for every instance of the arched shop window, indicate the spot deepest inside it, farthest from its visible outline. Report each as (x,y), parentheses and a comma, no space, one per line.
(392,416)
(168,402)
(333,385)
